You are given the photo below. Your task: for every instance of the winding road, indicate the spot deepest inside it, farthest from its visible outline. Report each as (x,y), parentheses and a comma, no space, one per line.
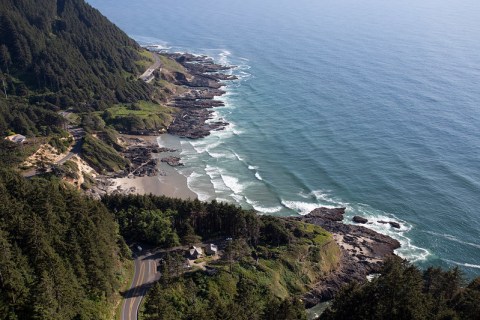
(78,133)
(145,275)
(147,76)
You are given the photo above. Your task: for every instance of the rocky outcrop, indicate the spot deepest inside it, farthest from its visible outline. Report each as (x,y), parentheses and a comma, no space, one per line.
(163,149)
(328,214)
(173,161)
(358,219)
(362,250)
(141,162)
(203,83)
(393,224)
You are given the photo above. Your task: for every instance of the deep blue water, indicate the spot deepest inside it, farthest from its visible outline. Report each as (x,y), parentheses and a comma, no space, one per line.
(373,105)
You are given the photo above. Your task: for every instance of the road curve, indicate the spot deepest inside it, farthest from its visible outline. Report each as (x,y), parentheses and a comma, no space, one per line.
(145,274)
(147,75)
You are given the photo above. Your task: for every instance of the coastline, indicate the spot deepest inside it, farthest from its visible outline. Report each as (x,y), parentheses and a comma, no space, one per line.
(162,155)
(155,159)
(362,252)
(174,186)
(152,164)
(166,182)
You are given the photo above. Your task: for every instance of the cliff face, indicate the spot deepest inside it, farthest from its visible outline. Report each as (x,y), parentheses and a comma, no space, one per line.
(67,48)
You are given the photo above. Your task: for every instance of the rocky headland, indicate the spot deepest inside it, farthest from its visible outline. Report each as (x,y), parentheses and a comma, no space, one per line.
(192,84)
(204,80)
(362,252)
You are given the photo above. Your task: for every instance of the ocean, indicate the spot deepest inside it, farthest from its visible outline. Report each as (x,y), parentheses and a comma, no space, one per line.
(371,105)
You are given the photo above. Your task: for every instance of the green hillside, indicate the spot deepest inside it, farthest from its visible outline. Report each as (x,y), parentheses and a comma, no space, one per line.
(56,262)
(68,54)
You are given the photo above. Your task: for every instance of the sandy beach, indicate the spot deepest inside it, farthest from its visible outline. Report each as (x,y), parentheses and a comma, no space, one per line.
(169,182)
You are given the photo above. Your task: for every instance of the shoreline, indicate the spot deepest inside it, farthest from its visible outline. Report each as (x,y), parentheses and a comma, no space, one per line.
(362,248)
(167,181)
(363,251)
(152,170)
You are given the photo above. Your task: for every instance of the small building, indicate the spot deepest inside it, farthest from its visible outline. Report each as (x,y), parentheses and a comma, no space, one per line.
(17,138)
(195,253)
(211,249)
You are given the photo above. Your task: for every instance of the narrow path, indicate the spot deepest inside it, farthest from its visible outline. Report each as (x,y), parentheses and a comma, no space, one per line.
(78,134)
(147,76)
(145,274)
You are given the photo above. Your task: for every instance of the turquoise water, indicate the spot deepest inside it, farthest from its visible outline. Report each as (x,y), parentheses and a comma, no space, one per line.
(372,105)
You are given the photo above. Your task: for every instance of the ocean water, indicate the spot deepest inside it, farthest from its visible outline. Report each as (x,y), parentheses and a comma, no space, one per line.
(371,105)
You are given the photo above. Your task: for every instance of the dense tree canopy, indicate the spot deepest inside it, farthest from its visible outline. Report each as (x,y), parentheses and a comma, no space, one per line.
(62,54)
(403,291)
(70,49)
(59,251)
(267,262)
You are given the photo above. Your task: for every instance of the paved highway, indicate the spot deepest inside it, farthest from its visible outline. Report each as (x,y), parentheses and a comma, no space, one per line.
(147,75)
(145,275)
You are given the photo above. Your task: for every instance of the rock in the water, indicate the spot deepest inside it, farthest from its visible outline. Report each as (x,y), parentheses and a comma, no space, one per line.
(358,219)
(173,161)
(393,224)
(163,149)
(203,81)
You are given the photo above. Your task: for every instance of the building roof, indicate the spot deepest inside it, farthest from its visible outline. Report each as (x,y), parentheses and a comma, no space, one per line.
(17,138)
(212,247)
(196,250)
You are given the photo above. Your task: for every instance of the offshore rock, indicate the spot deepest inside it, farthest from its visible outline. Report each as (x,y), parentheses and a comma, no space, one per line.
(393,224)
(358,219)
(172,161)
(335,214)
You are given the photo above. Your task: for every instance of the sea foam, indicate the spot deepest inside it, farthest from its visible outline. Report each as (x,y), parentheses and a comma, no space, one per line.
(453,238)
(216,178)
(192,181)
(233,183)
(464,264)
(302,207)
(263,209)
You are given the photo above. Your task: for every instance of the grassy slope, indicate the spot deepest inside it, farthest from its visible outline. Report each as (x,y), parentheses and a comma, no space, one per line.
(295,266)
(145,61)
(281,273)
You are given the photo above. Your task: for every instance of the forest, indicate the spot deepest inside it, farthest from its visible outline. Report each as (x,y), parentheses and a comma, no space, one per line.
(64,255)
(65,53)
(266,267)
(61,255)
(58,55)
(270,263)
(403,291)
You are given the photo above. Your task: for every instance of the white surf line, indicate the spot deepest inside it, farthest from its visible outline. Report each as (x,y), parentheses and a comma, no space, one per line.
(453,238)
(464,264)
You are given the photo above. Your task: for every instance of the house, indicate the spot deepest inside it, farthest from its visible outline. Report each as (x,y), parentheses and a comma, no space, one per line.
(211,249)
(17,138)
(195,253)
